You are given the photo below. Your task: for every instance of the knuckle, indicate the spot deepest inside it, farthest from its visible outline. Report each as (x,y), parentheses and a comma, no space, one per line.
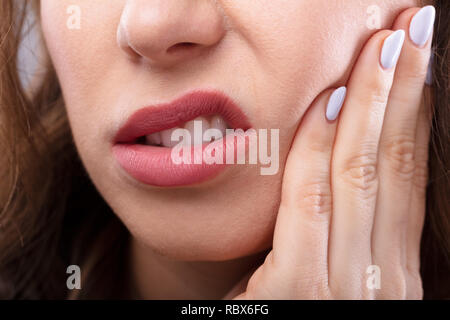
(421,174)
(320,145)
(360,171)
(315,198)
(399,153)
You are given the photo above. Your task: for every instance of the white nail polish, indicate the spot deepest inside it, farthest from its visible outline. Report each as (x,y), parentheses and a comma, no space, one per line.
(422,25)
(335,103)
(392,48)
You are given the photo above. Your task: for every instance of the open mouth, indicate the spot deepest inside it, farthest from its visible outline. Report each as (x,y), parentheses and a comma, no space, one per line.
(211,129)
(143,145)
(154,125)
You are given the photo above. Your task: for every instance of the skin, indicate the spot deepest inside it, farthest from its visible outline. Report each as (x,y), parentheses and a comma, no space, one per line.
(280,65)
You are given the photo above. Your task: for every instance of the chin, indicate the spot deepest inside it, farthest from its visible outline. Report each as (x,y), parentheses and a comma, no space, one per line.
(216,241)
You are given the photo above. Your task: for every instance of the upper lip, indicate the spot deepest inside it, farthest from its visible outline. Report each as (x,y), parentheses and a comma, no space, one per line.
(188,107)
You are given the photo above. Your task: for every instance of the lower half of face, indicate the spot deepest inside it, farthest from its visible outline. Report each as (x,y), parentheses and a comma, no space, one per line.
(272,58)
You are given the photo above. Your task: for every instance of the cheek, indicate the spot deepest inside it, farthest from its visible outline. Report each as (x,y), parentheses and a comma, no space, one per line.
(85,59)
(305,47)
(85,55)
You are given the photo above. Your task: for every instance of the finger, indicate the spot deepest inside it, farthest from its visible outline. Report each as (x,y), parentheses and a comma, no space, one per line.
(420,180)
(397,151)
(418,196)
(301,234)
(354,177)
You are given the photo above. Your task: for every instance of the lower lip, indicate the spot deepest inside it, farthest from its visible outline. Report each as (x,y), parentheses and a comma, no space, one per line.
(154,166)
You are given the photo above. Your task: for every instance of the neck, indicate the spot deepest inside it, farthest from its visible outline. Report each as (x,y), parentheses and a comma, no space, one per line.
(157,277)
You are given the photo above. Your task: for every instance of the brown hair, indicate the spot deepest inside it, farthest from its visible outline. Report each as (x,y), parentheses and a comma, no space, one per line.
(52,216)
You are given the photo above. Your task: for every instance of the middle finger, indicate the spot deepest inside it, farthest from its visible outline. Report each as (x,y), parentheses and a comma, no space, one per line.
(354,177)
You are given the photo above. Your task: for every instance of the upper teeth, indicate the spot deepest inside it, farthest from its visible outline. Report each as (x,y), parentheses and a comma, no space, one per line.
(164,138)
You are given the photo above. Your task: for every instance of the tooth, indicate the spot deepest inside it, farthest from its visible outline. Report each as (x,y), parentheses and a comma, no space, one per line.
(153,139)
(217,122)
(193,124)
(166,138)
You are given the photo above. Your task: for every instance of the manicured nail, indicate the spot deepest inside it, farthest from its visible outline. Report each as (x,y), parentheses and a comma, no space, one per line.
(422,25)
(335,103)
(392,48)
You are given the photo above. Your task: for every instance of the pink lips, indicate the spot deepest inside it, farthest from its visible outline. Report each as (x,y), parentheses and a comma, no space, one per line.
(153,165)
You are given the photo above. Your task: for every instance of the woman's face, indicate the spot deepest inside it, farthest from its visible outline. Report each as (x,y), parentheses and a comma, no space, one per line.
(270,57)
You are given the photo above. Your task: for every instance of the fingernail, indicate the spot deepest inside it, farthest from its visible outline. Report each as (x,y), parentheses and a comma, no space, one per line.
(422,25)
(392,48)
(335,103)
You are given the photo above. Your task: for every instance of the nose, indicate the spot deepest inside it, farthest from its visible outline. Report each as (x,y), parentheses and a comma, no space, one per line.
(166,32)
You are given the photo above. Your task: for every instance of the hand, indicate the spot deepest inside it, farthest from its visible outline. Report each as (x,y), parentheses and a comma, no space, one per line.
(353,192)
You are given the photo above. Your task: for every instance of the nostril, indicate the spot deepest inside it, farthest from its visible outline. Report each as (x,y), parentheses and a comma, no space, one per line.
(181,46)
